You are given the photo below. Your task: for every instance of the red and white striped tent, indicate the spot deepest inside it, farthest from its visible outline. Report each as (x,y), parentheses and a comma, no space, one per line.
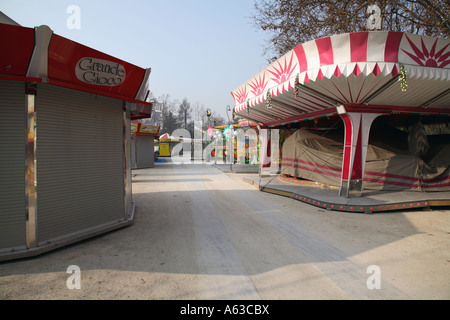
(358,76)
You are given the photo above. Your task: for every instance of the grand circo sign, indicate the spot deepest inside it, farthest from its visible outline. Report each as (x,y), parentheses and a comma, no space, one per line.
(100,72)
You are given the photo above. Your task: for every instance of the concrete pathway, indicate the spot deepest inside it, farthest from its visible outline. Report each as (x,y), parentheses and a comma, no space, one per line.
(201,233)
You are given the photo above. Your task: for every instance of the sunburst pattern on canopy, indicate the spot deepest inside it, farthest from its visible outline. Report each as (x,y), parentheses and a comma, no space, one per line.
(362,68)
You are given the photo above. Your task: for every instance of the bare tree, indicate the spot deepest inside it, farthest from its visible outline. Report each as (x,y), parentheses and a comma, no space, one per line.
(199,112)
(217,120)
(292,22)
(168,114)
(166,103)
(184,112)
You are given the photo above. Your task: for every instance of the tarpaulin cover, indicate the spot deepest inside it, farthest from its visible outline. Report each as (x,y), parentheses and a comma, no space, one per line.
(390,165)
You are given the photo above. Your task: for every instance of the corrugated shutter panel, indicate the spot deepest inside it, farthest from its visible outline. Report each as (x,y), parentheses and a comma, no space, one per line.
(12,164)
(80,180)
(145,152)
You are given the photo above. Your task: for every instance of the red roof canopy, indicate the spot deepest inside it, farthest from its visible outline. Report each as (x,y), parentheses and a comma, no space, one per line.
(39,55)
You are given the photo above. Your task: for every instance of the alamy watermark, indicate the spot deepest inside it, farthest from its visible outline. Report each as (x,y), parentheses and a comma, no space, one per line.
(74,280)
(374,20)
(374,280)
(74,19)
(233,146)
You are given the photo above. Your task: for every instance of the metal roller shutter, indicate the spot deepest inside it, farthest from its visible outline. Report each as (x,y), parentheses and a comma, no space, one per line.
(79,162)
(12,165)
(145,152)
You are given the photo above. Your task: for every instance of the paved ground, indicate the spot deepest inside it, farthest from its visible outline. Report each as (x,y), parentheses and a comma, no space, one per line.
(201,233)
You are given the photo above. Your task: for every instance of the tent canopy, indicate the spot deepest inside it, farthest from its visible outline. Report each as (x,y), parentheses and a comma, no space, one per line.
(362,70)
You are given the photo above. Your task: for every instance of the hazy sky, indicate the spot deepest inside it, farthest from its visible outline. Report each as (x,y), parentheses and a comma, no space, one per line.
(197,49)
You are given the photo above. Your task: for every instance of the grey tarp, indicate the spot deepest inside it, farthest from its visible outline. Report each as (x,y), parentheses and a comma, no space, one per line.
(317,156)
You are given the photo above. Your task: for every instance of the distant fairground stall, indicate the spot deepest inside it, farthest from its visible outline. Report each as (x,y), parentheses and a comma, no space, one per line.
(356,112)
(144,152)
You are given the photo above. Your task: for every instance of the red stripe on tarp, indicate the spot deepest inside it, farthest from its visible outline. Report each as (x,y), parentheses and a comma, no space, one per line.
(390,175)
(309,169)
(410,185)
(436,179)
(358,46)
(436,185)
(431,183)
(312,164)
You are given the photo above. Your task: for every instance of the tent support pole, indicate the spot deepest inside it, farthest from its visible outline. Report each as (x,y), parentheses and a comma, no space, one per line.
(357,128)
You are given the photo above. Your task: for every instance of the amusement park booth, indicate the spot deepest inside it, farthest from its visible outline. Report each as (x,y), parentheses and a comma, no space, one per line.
(65,112)
(166,144)
(143,144)
(358,112)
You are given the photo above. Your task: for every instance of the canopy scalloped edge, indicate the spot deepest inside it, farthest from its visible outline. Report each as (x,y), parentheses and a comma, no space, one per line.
(360,53)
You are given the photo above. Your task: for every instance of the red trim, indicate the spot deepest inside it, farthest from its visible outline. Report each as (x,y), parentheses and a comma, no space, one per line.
(376,70)
(149,135)
(329,111)
(63,57)
(380,108)
(17,49)
(19,78)
(357,70)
